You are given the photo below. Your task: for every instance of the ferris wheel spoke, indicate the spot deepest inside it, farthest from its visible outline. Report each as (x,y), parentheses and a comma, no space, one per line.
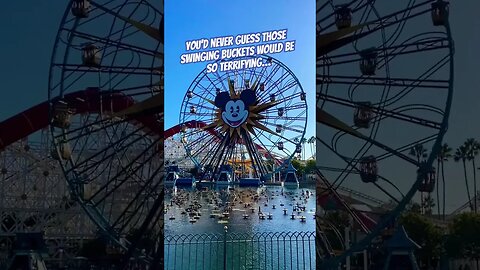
(278,135)
(256,160)
(383,53)
(386,193)
(215,161)
(206,100)
(109,147)
(347,207)
(158,11)
(153,104)
(352,164)
(91,128)
(384,81)
(140,204)
(154,211)
(328,42)
(112,69)
(281,92)
(200,142)
(384,113)
(201,106)
(340,60)
(407,147)
(270,149)
(351,168)
(344,172)
(285,118)
(83,138)
(134,201)
(331,14)
(213,152)
(206,91)
(268,78)
(428,73)
(117,44)
(285,128)
(287,100)
(150,31)
(256,75)
(329,120)
(298,109)
(274,85)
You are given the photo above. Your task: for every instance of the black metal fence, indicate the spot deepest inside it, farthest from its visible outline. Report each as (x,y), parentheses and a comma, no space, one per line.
(274,250)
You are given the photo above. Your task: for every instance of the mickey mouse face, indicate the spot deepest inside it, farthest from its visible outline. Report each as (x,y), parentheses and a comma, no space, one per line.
(235,111)
(234,114)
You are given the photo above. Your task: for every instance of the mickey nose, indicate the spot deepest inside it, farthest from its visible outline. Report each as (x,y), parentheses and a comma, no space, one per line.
(234,114)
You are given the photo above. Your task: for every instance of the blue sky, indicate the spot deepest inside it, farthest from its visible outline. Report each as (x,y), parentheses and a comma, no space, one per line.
(211,18)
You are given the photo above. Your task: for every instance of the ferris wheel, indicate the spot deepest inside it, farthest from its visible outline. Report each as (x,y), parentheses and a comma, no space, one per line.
(106,118)
(384,91)
(255,114)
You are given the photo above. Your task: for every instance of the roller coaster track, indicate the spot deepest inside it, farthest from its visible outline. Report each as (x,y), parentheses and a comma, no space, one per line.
(363,220)
(468,204)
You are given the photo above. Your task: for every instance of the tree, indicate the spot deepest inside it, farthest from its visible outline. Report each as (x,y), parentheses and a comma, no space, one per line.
(424,233)
(298,166)
(461,154)
(420,153)
(304,141)
(312,141)
(444,155)
(310,166)
(428,204)
(414,208)
(472,152)
(297,142)
(463,240)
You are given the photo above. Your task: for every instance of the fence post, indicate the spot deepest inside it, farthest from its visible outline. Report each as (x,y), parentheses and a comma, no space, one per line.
(225,248)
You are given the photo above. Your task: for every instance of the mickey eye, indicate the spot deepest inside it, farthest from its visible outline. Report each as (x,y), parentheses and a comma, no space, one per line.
(231,109)
(238,108)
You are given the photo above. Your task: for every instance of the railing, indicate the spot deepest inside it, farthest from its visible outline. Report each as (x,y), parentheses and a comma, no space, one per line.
(274,250)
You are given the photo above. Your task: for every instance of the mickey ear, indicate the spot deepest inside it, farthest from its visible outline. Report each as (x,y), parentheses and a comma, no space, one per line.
(221,99)
(248,97)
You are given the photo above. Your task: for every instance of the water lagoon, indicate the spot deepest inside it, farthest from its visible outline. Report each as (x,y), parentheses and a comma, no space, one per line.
(210,229)
(238,202)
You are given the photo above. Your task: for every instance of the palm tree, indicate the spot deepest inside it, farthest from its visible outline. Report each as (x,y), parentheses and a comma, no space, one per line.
(304,141)
(473,150)
(311,141)
(461,154)
(428,204)
(437,186)
(297,140)
(444,155)
(419,152)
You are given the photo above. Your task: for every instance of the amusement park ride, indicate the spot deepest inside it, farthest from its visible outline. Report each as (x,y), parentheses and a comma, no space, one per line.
(252,119)
(102,130)
(378,63)
(106,110)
